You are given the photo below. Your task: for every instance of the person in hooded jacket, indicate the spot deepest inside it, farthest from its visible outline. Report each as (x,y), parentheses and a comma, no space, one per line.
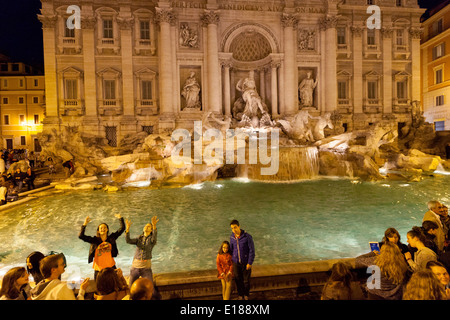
(242,250)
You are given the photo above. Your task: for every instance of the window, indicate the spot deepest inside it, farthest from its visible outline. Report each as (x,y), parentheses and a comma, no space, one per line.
(110,89)
(6,119)
(9,143)
(147,90)
(68,33)
(438,76)
(148,129)
(371,37)
(20,82)
(23,140)
(5,83)
(5,100)
(15,67)
(22,119)
(370,2)
(108,29)
(36,82)
(4,67)
(71,89)
(439,51)
(111,136)
(402,91)
(398,3)
(439,125)
(37,146)
(35,100)
(342,90)
(36,119)
(399,37)
(372,92)
(21,100)
(145,30)
(437,27)
(341,35)
(440,100)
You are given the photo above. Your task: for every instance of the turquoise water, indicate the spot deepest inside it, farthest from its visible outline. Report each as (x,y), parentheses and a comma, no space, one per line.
(310,220)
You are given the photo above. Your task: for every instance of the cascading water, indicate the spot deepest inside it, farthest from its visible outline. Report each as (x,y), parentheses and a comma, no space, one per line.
(295,163)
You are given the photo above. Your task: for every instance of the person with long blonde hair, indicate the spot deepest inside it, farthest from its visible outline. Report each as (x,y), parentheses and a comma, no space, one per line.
(391,272)
(424,285)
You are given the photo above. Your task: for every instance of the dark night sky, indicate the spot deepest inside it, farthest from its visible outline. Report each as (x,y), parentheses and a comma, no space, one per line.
(21,33)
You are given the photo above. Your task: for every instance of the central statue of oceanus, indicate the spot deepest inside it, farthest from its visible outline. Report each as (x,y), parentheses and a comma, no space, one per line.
(249,109)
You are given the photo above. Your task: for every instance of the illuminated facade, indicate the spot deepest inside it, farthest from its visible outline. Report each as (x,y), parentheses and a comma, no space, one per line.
(436,67)
(22,105)
(123,71)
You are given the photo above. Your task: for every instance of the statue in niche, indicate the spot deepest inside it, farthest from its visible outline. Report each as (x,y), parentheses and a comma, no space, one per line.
(306,90)
(191,92)
(249,107)
(188,37)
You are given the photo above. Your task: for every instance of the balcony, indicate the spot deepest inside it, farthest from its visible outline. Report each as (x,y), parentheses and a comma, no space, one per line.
(73,107)
(401,106)
(109,107)
(108,44)
(372,106)
(401,51)
(146,107)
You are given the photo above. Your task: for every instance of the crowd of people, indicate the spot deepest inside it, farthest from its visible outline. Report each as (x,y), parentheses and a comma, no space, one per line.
(398,271)
(234,260)
(12,181)
(413,271)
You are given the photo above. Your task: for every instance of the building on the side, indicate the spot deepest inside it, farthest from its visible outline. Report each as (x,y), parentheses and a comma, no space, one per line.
(126,68)
(22,105)
(436,66)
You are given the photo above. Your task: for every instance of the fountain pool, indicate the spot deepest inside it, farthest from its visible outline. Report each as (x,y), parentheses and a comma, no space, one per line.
(310,220)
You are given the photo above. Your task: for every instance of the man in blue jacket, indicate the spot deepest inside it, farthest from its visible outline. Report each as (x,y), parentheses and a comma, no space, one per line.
(243,254)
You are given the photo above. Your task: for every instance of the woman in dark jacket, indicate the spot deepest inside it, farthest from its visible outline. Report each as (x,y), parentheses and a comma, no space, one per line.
(103,246)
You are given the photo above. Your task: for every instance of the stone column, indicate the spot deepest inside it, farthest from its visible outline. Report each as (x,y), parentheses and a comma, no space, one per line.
(125,25)
(90,92)
(51,90)
(289,23)
(357,70)
(328,25)
(415,33)
(226,87)
(211,20)
(262,83)
(386,33)
(165,17)
(274,88)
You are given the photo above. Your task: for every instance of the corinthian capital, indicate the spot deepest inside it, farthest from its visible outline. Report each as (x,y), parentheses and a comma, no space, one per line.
(125,23)
(88,22)
(48,21)
(165,15)
(416,32)
(289,20)
(387,32)
(327,22)
(210,17)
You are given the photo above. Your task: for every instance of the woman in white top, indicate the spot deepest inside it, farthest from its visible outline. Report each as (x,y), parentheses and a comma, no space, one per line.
(423,255)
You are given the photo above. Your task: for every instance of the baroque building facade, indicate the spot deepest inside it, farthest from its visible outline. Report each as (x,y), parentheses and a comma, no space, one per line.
(155,66)
(436,66)
(22,105)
